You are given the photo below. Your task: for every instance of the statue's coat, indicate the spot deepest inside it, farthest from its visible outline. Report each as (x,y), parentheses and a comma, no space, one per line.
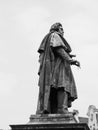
(54,71)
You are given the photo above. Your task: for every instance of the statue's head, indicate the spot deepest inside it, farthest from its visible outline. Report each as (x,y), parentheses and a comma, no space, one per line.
(57,27)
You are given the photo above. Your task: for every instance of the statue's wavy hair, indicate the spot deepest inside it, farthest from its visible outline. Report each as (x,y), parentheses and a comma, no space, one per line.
(55,27)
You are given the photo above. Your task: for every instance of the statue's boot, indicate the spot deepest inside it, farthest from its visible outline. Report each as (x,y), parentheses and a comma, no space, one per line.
(62,102)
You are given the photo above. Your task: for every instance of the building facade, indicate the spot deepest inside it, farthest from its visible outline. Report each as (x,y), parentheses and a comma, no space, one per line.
(92,117)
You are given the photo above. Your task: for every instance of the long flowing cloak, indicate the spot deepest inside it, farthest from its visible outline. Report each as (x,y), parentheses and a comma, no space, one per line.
(55,72)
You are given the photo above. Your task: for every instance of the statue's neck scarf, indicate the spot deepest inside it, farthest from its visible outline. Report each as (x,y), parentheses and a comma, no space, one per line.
(45,41)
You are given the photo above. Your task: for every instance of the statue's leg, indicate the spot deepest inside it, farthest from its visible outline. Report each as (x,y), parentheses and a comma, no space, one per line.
(53,100)
(62,97)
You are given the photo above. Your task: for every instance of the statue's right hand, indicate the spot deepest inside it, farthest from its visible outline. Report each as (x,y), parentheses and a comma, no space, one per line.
(75,62)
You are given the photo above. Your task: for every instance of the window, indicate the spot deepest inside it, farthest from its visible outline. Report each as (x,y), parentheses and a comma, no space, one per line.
(91,117)
(97,118)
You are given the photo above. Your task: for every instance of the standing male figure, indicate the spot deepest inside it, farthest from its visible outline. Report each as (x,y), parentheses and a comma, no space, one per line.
(57,89)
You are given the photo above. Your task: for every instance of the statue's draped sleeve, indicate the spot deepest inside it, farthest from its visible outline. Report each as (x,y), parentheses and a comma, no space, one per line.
(60,48)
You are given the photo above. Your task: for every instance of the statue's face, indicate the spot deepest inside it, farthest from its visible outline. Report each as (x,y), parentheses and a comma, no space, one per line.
(61,31)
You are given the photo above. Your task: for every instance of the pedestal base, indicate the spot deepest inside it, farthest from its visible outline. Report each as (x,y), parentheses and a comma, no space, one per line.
(52,122)
(58,126)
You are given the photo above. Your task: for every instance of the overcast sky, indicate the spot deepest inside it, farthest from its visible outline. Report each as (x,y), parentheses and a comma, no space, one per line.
(23,24)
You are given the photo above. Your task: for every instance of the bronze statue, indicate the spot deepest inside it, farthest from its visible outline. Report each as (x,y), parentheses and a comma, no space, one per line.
(57,89)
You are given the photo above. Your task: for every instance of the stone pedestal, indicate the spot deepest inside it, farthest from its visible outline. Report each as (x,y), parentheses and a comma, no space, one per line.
(52,122)
(72,126)
(53,118)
